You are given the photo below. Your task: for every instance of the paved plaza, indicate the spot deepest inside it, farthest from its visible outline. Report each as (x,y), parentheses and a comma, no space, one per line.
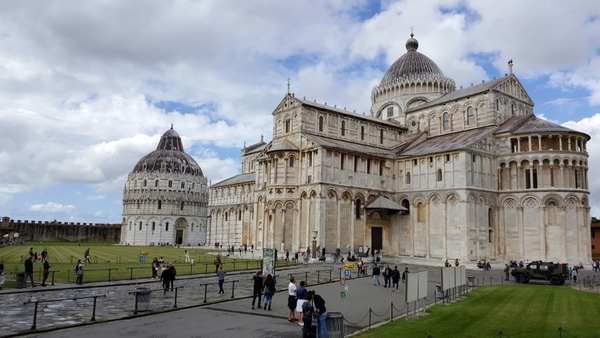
(364,305)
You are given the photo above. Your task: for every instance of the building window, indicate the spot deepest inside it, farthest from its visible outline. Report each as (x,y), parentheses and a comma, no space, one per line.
(291,162)
(342,161)
(226,216)
(497,104)
(407,206)
(145,183)
(321,123)
(159,205)
(153,226)
(407,178)
(531,178)
(156,183)
(309,154)
(390,111)
(240,215)
(380,168)
(380,136)
(182,185)
(577,178)
(357,210)
(167,226)
(439,175)
(355,163)
(309,179)
(140,225)
(368,166)
(470,116)
(512,109)
(181,207)
(343,128)
(447,157)
(414,162)
(490,225)
(362,133)
(474,158)
(170,184)
(420,212)
(287,126)
(446,121)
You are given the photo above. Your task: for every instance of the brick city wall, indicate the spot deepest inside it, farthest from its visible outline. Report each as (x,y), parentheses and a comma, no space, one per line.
(53,231)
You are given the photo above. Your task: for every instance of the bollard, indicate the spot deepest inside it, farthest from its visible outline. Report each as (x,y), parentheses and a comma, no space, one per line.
(232,289)
(94,310)
(370,318)
(175,305)
(306,276)
(191,268)
(205,288)
(53,277)
(33,327)
(318,280)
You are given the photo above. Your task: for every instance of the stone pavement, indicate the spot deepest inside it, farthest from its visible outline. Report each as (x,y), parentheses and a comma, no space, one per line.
(361,299)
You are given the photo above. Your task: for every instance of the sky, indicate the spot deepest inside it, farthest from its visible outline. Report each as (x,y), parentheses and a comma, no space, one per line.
(88,87)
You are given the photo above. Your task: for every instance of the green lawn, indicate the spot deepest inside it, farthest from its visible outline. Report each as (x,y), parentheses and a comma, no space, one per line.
(122,260)
(519,311)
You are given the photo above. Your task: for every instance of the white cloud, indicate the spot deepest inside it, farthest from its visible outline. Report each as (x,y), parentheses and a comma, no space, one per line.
(52,208)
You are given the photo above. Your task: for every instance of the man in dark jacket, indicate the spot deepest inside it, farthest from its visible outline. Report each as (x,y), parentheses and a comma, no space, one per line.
(387,275)
(395,278)
(165,277)
(29,271)
(404,274)
(321,313)
(256,291)
(376,273)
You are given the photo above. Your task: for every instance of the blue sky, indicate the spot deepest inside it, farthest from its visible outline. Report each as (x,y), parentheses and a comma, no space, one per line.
(87,90)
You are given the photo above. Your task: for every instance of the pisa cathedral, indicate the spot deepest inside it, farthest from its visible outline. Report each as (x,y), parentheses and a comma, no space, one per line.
(433,172)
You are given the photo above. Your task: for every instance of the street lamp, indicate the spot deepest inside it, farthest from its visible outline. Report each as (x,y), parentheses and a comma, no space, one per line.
(315,233)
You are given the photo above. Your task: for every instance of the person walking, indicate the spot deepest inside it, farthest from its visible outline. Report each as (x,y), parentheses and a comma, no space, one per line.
(187,256)
(292,292)
(404,275)
(387,275)
(217,263)
(155,267)
(172,275)
(86,256)
(506,271)
(165,278)
(376,273)
(395,278)
(269,291)
(29,271)
(46,272)
(301,298)
(321,312)
(257,288)
(2,279)
(573,275)
(221,277)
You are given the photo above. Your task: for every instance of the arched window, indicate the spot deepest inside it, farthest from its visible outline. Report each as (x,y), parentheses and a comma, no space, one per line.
(551,207)
(362,133)
(140,225)
(153,226)
(407,178)
(446,121)
(320,123)
(357,210)
(239,215)
(156,183)
(287,126)
(407,206)
(145,183)
(181,207)
(420,212)
(170,184)
(470,116)
(291,161)
(380,136)
(439,175)
(159,205)
(490,225)
(512,109)
(167,226)
(343,128)
(182,185)
(226,216)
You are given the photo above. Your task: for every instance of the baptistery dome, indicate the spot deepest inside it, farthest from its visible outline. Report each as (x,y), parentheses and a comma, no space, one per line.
(169,157)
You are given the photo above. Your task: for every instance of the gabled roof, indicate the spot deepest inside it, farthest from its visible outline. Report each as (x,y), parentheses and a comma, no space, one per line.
(348,146)
(254,148)
(235,180)
(281,145)
(448,142)
(385,203)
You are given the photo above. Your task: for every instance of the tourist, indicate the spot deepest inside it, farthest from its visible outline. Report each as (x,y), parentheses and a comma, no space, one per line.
(172,274)
(165,278)
(155,267)
(321,312)
(79,280)
(217,263)
(31,253)
(221,277)
(44,254)
(395,278)
(257,289)
(29,271)
(86,256)
(2,279)
(574,274)
(46,272)
(301,298)
(447,264)
(269,291)
(308,330)
(292,291)
(456,262)
(506,271)
(404,275)
(187,256)
(387,275)
(161,260)
(287,255)
(376,273)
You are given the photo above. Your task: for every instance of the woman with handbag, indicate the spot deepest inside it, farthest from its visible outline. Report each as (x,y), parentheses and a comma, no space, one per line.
(269,290)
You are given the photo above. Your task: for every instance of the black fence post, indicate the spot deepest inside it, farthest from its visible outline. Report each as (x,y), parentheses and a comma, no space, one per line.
(135,307)
(205,289)
(53,277)
(370,311)
(175,305)
(94,310)
(318,280)
(109,274)
(330,274)
(232,289)
(306,276)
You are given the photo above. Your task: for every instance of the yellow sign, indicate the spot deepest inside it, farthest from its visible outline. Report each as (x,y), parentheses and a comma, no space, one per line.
(144,253)
(349,266)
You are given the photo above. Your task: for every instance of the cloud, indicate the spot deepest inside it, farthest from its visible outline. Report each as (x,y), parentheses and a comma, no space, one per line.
(52,208)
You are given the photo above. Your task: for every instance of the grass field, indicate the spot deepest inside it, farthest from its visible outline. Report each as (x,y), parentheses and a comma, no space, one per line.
(518,311)
(121,260)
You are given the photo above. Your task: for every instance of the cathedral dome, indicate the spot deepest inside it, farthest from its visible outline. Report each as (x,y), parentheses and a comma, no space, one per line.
(412,66)
(169,157)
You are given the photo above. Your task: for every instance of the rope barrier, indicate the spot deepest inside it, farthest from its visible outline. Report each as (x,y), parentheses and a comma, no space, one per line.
(356,324)
(399,310)
(385,313)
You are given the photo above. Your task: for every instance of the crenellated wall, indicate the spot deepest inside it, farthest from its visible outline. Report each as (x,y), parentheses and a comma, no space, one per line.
(53,231)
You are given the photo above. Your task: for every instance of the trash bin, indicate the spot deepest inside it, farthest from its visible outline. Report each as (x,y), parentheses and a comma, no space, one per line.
(439,293)
(335,325)
(20,280)
(471,281)
(305,260)
(142,298)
